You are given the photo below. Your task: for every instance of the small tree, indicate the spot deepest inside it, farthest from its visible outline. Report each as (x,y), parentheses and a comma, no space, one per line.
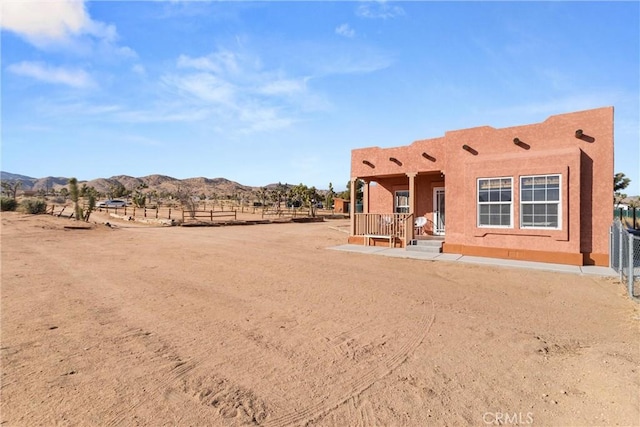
(92,196)
(347,193)
(186,199)
(117,189)
(11,188)
(328,199)
(278,194)
(153,195)
(261,195)
(620,182)
(90,193)
(306,196)
(139,199)
(311,197)
(74,191)
(293,196)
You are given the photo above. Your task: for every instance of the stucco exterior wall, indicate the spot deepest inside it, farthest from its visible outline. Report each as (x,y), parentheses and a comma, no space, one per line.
(584,164)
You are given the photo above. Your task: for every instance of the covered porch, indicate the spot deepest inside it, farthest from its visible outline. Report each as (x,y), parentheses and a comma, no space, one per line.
(398,209)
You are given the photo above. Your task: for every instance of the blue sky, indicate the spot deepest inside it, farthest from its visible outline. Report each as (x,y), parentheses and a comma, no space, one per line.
(261,92)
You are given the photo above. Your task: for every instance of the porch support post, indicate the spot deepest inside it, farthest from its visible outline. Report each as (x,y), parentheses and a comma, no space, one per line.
(352,206)
(365,197)
(412,192)
(412,201)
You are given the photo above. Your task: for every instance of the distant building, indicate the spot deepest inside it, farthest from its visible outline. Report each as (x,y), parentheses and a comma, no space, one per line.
(340,205)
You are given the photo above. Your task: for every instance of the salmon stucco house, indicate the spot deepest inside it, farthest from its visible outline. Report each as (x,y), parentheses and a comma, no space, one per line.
(538,192)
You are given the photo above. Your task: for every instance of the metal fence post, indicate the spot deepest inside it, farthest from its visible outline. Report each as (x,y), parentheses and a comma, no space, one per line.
(630,266)
(611,246)
(620,244)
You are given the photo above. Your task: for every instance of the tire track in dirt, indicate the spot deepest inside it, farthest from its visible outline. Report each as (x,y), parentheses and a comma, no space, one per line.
(175,383)
(177,371)
(341,393)
(338,393)
(229,399)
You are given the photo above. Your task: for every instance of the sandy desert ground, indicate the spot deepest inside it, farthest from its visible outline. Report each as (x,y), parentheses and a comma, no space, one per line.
(262,324)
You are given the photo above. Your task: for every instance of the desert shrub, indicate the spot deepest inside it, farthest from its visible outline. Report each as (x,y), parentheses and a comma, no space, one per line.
(139,199)
(33,206)
(8,204)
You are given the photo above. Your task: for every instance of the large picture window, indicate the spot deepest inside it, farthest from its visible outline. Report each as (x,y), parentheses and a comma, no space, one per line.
(401,202)
(494,202)
(540,201)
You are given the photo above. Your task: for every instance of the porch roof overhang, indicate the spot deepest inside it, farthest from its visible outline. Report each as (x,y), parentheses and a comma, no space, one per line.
(377,177)
(421,157)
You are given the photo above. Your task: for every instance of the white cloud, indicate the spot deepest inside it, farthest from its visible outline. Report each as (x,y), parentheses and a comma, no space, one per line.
(365,62)
(139,69)
(70,107)
(125,52)
(203,63)
(379,10)
(165,114)
(283,87)
(54,23)
(263,119)
(239,92)
(204,86)
(234,88)
(251,104)
(98,110)
(221,62)
(345,30)
(46,20)
(48,74)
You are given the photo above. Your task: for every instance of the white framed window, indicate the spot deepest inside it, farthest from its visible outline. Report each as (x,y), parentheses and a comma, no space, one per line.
(495,202)
(540,205)
(401,202)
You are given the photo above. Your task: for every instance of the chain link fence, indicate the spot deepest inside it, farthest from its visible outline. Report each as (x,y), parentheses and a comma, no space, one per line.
(624,256)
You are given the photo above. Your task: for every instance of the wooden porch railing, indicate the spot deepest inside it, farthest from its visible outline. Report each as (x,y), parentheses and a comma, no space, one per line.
(392,226)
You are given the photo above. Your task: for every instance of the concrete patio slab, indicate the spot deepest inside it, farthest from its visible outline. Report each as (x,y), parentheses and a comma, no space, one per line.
(563,268)
(449,257)
(495,262)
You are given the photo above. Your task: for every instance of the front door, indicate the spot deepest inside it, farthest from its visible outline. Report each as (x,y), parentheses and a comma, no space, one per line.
(438,210)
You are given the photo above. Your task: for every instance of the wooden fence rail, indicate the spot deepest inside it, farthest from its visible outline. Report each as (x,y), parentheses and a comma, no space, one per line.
(211,215)
(157,213)
(60,212)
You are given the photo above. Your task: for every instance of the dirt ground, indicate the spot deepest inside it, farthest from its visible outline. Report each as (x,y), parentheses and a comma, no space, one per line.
(262,324)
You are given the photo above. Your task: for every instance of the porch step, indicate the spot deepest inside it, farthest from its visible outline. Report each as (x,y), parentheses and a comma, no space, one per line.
(433,245)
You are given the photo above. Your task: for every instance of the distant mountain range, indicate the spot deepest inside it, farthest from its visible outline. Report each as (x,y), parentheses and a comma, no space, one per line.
(159,183)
